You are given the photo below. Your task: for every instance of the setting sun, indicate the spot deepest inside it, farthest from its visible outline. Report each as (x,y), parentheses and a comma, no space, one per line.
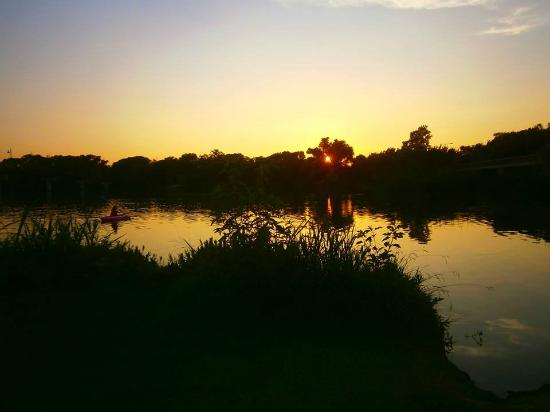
(328,159)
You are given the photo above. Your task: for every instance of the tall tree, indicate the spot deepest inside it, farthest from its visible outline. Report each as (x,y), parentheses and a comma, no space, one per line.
(338,152)
(418,139)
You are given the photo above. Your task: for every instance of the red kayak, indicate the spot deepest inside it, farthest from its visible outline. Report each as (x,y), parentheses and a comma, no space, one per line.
(114,219)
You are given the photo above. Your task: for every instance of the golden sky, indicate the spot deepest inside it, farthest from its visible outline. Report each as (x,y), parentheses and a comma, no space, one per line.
(260,76)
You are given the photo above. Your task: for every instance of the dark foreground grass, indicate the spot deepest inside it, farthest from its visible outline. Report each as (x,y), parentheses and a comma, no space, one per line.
(269,318)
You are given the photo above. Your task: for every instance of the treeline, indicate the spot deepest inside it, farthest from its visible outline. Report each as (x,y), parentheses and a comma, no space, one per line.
(329,167)
(419,163)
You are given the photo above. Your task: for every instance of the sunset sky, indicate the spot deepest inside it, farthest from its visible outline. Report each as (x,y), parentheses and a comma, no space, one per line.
(165,77)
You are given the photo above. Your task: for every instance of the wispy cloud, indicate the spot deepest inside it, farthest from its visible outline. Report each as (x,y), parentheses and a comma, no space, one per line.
(519,20)
(515,17)
(396,4)
(517,332)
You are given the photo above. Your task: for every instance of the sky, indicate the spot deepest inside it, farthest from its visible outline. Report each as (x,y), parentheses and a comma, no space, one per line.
(164,77)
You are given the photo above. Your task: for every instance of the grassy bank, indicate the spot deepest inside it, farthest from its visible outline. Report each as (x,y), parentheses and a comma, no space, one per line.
(268,317)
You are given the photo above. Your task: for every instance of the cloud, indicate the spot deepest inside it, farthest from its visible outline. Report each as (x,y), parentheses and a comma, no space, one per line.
(519,20)
(517,332)
(396,4)
(514,19)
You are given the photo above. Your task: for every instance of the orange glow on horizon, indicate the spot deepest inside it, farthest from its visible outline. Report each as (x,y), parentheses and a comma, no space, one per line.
(155,80)
(328,159)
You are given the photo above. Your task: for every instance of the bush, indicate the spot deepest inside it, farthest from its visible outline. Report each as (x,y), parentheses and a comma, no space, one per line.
(262,264)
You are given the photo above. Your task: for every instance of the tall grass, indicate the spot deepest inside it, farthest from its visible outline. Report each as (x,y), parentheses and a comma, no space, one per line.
(261,263)
(319,248)
(42,233)
(302,270)
(54,252)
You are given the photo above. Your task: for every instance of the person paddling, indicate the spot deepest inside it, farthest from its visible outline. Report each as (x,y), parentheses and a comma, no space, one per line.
(115,216)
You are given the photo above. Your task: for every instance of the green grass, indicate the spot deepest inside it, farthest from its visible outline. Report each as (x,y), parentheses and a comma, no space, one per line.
(265,318)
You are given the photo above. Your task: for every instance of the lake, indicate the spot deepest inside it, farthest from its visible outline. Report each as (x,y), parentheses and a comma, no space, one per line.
(491,261)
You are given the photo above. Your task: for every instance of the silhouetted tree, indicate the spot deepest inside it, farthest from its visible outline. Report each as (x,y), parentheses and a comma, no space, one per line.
(132,175)
(331,168)
(337,152)
(28,174)
(418,139)
(283,172)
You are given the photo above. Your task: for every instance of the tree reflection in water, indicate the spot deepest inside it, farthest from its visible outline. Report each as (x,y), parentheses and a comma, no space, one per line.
(338,212)
(335,211)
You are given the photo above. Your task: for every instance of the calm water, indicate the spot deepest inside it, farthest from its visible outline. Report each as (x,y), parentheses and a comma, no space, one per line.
(493,261)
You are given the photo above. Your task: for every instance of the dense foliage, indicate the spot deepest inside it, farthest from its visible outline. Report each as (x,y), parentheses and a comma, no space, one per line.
(329,167)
